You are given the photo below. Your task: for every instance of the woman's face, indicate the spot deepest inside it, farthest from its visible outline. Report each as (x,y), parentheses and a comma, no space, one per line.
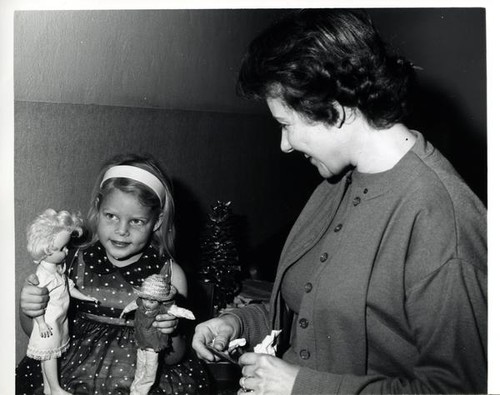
(124,227)
(326,146)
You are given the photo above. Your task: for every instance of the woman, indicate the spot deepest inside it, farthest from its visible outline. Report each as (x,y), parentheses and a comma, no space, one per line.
(381,285)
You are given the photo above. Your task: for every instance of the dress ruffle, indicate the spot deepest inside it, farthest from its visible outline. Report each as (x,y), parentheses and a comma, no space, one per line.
(44,355)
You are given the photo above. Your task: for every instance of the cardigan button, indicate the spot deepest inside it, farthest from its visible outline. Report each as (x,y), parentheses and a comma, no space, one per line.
(356,200)
(323,257)
(304,323)
(338,228)
(308,287)
(304,354)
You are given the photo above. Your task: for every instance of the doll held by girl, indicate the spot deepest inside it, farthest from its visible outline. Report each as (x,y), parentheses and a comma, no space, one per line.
(131,224)
(48,237)
(156,296)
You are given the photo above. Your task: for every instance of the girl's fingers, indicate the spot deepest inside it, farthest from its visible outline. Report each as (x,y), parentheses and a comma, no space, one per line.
(32,279)
(34,312)
(165,318)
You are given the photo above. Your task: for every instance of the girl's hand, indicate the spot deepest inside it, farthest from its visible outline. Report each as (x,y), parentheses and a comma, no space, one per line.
(45,330)
(166,323)
(264,374)
(33,300)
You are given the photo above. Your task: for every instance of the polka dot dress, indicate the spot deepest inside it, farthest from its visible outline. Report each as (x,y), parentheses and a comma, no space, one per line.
(101,357)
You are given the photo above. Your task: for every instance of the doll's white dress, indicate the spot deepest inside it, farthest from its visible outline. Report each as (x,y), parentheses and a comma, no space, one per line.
(58,286)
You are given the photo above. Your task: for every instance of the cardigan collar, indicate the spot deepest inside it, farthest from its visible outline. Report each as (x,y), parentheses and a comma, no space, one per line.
(372,185)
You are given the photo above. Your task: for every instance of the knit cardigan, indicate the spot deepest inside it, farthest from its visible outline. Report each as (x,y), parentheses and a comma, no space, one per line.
(396,299)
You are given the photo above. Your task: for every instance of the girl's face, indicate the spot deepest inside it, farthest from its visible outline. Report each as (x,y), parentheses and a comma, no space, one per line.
(124,227)
(59,249)
(327,147)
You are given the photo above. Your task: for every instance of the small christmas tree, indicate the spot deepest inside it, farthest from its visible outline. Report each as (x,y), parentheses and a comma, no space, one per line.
(219,255)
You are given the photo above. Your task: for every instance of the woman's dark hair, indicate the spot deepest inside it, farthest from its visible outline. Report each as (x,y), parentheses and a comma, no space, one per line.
(316,57)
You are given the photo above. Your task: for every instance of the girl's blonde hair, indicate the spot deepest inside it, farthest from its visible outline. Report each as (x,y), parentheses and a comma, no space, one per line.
(163,237)
(44,229)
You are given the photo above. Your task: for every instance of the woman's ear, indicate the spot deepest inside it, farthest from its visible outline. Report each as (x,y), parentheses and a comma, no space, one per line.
(346,114)
(341,110)
(158,222)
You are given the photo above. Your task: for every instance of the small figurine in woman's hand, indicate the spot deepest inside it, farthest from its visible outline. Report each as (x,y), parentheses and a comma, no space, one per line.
(156,296)
(48,236)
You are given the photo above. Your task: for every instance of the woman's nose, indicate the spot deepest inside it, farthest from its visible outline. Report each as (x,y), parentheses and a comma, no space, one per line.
(285,144)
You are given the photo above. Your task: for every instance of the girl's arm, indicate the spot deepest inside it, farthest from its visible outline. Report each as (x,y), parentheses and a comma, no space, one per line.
(179,280)
(167,323)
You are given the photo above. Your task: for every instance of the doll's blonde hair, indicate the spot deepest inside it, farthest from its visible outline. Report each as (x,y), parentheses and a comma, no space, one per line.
(44,229)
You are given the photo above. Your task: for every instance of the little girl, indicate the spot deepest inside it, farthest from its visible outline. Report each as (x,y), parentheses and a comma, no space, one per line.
(132,235)
(48,236)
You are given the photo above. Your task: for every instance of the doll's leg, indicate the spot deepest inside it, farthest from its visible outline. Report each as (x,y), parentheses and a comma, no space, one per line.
(145,372)
(46,386)
(49,370)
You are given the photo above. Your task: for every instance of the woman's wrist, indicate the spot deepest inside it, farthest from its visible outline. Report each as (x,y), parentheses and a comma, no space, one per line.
(235,322)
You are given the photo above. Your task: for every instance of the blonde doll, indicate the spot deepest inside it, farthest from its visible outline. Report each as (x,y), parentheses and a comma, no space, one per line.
(48,237)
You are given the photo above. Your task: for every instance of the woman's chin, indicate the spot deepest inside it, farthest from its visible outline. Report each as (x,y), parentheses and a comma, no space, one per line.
(324,172)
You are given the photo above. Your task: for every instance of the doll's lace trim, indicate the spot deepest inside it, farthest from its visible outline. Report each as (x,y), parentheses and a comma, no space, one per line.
(43,355)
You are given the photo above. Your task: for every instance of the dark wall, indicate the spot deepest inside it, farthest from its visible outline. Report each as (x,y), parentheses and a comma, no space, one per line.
(448,45)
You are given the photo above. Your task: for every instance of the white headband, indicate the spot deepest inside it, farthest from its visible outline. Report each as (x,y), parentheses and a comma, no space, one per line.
(137,174)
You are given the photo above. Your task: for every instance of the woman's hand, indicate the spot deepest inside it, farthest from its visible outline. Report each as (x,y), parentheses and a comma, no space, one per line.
(216,332)
(166,323)
(33,300)
(264,374)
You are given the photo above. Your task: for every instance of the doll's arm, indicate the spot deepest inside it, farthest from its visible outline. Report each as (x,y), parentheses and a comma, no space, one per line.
(75,293)
(180,312)
(128,308)
(44,328)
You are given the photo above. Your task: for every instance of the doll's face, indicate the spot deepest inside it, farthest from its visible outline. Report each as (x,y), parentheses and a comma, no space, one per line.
(150,304)
(59,249)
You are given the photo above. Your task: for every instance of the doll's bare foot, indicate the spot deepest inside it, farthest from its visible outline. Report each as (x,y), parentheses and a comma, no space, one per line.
(60,391)
(45,330)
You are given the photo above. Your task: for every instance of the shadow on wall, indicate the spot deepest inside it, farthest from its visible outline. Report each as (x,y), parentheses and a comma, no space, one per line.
(189,217)
(442,121)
